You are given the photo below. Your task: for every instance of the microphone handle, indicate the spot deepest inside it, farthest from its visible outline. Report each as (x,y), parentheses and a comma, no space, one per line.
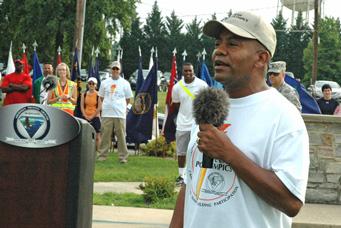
(207,162)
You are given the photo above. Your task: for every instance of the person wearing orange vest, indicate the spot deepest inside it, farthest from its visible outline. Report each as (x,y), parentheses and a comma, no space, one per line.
(64,96)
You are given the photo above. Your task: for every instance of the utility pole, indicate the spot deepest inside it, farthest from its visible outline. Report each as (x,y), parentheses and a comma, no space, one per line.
(315,40)
(79,28)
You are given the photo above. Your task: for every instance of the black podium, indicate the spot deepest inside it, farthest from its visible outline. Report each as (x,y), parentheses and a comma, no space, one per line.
(46,168)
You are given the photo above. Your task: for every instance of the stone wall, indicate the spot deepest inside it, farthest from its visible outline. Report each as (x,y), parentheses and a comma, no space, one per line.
(324,184)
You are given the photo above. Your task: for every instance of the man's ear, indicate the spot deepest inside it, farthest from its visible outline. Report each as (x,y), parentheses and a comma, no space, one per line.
(263,59)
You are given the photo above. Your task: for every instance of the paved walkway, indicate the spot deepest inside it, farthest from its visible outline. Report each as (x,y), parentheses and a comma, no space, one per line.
(311,215)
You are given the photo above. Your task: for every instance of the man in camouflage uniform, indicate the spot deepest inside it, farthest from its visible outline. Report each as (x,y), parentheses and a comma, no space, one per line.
(276,74)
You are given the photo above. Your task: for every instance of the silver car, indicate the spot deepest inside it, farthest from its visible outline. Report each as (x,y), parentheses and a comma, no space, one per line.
(316,89)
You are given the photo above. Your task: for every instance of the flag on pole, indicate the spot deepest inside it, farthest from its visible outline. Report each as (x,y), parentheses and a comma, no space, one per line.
(151,60)
(75,72)
(25,61)
(59,55)
(96,72)
(169,127)
(140,78)
(10,63)
(37,73)
(91,63)
(140,117)
(309,104)
(205,74)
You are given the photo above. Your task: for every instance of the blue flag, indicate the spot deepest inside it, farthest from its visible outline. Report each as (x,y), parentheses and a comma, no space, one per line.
(90,68)
(95,72)
(140,79)
(309,104)
(75,72)
(205,75)
(36,68)
(140,117)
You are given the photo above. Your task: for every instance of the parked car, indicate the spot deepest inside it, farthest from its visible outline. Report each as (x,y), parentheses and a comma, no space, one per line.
(133,78)
(316,89)
(103,75)
(84,75)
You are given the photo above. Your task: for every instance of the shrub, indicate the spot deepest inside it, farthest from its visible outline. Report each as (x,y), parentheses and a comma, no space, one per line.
(156,189)
(158,147)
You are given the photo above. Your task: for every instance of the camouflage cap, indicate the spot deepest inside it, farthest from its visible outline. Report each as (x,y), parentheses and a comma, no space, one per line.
(277,67)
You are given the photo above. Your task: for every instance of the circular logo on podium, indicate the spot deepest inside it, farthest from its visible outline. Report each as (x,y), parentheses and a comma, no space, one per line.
(31,122)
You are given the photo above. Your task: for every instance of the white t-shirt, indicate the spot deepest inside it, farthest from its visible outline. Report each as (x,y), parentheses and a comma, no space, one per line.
(185,118)
(270,131)
(115,93)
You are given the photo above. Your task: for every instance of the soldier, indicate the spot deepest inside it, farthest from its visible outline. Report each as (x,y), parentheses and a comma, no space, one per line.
(276,74)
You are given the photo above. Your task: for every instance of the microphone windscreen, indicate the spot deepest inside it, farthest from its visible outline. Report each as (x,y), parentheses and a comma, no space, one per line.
(211,106)
(49,82)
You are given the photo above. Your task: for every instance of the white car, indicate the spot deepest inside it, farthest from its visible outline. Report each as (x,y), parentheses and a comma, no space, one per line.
(103,75)
(316,89)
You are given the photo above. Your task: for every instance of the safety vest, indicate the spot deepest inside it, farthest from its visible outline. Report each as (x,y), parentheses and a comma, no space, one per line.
(65,105)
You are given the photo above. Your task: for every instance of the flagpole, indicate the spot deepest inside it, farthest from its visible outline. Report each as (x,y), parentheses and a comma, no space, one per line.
(155,108)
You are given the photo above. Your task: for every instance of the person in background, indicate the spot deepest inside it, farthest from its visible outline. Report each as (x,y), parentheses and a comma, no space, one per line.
(261,161)
(17,85)
(183,94)
(40,94)
(115,93)
(276,75)
(64,96)
(326,103)
(91,107)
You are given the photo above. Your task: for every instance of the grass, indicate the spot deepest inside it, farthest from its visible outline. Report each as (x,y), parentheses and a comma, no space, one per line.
(137,168)
(131,200)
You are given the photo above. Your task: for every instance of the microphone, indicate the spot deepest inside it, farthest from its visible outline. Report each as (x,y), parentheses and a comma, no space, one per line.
(49,83)
(210,106)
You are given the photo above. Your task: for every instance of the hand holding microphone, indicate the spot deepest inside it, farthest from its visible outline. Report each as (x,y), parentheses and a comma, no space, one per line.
(210,107)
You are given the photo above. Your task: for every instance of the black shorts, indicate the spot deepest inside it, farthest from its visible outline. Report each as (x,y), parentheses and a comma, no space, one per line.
(96,123)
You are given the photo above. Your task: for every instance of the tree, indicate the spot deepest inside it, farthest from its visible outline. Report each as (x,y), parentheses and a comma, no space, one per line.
(155,35)
(193,40)
(129,43)
(175,38)
(279,24)
(51,24)
(329,52)
(299,36)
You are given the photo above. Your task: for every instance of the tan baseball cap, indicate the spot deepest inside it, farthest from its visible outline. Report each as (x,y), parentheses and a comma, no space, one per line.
(115,64)
(245,24)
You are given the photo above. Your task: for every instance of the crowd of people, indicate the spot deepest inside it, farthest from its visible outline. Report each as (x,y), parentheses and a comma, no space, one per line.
(260,162)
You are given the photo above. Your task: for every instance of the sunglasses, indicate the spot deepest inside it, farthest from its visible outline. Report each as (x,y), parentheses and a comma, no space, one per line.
(115,68)
(91,83)
(274,74)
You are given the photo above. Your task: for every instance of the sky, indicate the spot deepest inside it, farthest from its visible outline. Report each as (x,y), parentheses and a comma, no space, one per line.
(188,9)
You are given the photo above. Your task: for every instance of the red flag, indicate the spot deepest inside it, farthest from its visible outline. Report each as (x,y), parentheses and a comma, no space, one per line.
(59,58)
(26,66)
(169,128)
(171,84)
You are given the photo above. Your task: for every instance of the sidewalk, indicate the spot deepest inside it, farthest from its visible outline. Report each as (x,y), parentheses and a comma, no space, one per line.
(310,216)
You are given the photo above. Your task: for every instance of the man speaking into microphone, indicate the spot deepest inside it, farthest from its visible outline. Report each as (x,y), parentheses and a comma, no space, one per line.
(261,161)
